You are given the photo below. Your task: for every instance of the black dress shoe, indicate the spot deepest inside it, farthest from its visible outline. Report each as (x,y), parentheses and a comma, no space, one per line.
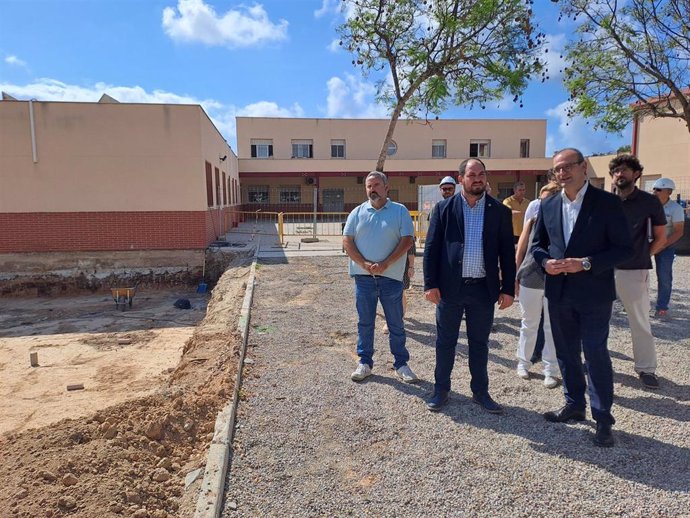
(565,414)
(488,404)
(604,436)
(437,401)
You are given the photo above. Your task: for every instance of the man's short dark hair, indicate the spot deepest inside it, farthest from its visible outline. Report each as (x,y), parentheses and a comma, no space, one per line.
(463,165)
(626,160)
(580,156)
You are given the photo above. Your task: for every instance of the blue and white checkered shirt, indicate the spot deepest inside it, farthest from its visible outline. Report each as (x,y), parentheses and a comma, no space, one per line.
(473,256)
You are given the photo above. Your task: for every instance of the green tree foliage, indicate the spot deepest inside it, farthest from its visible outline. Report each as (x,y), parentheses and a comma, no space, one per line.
(465,52)
(630,57)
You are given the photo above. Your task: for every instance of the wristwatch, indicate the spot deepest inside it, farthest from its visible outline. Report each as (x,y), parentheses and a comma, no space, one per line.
(587,264)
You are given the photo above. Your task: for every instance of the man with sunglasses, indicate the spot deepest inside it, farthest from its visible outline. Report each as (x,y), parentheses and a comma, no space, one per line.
(581,235)
(648,229)
(447,187)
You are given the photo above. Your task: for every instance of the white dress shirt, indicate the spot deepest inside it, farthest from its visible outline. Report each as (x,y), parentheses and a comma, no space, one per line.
(571,209)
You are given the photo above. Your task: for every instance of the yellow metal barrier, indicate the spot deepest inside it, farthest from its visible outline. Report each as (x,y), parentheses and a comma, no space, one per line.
(302,224)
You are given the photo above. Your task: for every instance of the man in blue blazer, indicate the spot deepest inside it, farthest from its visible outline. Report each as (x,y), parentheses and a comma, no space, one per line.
(581,235)
(469,235)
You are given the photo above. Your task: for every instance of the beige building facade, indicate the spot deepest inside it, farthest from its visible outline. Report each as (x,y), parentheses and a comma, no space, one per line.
(289,164)
(663,148)
(112,176)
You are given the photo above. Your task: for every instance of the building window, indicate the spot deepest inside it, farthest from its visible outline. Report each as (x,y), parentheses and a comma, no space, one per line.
(225,190)
(302,149)
(392,148)
(337,149)
(290,194)
(438,149)
(257,194)
(524,148)
(480,148)
(209,185)
(231,191)
(262,148)
(217,186)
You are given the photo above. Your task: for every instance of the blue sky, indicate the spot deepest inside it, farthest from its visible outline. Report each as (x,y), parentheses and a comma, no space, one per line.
(270,58)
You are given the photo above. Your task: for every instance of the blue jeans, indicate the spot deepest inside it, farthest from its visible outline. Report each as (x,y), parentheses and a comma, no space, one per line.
(368,292)
(579,328)
(664,275)
(475,304)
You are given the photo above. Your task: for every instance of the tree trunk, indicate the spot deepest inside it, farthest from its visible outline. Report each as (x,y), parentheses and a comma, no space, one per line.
(389,136)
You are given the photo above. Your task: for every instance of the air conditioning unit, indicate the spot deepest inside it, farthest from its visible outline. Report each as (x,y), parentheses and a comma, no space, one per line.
(412,179)
(309,180)
(360,179)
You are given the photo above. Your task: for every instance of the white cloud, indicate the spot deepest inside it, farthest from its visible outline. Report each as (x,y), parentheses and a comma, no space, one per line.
(327,6)
(575,132)
(270,109)
(352,98)
(504,104)
(334,45)
(222,115)
(196,21)
(15,61)
(555,60)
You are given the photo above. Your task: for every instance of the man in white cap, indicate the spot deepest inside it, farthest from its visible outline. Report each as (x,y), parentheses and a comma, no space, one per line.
(447,187)
(675,222)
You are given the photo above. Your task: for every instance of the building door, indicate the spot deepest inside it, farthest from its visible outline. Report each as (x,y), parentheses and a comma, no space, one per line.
(333,200)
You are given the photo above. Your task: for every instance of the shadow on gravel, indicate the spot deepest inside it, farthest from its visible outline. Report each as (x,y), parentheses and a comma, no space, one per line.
(642,460)
(667,387)
(665,407)
(422,389)
(635,458)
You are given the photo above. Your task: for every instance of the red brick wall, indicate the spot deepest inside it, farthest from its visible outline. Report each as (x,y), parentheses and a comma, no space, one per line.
(75,231)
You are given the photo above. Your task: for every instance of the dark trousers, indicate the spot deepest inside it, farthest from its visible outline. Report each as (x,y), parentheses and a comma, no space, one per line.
(539,344)
(475,304)
(579,328)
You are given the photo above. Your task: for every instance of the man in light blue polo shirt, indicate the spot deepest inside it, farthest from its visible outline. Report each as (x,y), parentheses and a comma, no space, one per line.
(377,235)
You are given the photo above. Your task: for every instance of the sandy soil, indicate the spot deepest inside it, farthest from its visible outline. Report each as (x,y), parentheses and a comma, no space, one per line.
(154,380)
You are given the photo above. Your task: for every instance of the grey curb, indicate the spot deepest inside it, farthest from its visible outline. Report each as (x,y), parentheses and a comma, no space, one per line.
(210,498)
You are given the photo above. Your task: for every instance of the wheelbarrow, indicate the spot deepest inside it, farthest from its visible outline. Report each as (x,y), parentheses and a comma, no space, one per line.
(123,297)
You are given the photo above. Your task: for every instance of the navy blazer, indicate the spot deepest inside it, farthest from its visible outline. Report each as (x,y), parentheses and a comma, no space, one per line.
(445,241)
(601,232)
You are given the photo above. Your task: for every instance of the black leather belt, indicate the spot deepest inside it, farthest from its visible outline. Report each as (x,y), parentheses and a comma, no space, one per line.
(473,280)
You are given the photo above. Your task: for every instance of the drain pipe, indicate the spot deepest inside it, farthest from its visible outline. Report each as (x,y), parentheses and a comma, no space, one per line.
(34,154)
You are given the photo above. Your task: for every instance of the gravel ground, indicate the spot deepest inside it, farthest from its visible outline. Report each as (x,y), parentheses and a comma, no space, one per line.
(310,442)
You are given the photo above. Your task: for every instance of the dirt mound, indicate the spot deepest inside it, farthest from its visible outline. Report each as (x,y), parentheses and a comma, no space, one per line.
(132,459)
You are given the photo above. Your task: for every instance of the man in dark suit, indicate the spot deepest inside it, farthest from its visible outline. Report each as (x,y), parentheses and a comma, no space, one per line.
(468,235)
(580,236)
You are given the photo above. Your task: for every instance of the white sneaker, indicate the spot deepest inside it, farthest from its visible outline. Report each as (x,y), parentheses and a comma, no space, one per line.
(522,372)
(550,382)
(406,374)
(362,371)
